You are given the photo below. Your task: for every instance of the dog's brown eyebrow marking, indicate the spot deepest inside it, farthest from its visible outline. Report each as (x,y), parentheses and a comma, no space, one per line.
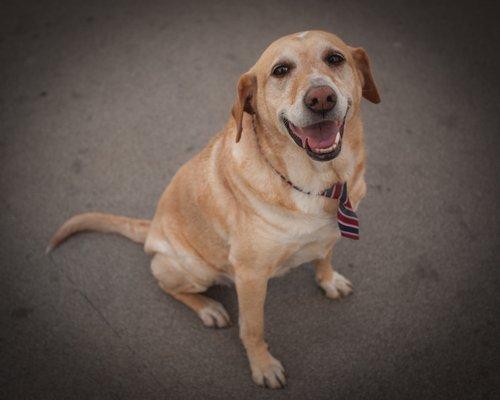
(283,60)
(331,50)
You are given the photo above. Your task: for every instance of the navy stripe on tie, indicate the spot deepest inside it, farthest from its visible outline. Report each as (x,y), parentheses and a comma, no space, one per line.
(347,228)
(327,192)
(343,194)
(347,212)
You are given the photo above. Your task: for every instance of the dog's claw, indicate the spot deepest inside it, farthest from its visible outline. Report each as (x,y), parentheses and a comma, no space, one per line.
(282,383)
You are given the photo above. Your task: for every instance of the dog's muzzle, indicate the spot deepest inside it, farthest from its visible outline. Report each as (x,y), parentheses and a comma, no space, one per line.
(322,141)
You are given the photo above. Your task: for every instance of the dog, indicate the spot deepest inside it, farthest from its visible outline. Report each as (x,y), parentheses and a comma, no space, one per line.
(276,188)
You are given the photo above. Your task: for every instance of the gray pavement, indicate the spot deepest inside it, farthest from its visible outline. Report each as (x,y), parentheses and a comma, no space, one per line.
(100,105)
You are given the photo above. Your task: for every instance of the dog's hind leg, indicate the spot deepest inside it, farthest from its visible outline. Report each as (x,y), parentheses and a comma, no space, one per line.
(180,287)
(334,284)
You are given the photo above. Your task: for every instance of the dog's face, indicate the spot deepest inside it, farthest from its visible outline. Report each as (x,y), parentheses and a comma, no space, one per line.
(306,86)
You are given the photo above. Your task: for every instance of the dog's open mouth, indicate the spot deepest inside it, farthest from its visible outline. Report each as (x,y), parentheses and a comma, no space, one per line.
(322,141)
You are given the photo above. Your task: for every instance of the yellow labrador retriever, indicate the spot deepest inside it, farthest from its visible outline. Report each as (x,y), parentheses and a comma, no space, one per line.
(276,188)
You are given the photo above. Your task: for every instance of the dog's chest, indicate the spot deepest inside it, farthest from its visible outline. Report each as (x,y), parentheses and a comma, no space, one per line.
(308,239)
(303,234)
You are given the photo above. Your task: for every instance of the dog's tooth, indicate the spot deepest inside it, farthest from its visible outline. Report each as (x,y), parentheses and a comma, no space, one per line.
(327,150)
(337,138)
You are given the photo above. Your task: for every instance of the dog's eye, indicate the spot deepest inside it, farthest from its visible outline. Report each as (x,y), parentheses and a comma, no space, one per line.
(334,59)
(280,70)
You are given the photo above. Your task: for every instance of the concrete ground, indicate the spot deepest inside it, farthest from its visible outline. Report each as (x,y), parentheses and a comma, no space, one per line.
(100,105)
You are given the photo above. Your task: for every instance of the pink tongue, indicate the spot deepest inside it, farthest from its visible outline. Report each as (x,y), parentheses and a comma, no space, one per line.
(320,135)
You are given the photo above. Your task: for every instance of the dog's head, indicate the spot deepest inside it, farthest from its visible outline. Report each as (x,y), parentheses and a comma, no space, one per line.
(306,86)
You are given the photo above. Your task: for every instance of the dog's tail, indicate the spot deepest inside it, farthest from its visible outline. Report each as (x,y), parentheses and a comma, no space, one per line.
(134,229)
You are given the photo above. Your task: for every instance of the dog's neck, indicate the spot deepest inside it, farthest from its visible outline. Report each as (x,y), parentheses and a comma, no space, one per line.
(293,163)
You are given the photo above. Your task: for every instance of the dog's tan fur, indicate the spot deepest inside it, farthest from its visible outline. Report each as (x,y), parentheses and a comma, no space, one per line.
(227,215)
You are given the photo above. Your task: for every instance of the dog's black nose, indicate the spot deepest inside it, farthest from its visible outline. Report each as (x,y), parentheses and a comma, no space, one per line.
(320,99)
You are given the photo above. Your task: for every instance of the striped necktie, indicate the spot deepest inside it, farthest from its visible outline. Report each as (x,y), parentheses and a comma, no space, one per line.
(347,219)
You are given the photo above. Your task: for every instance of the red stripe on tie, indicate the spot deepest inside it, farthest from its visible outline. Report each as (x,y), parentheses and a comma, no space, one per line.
(347,220)
(348,204)
(350,235)
(336,192)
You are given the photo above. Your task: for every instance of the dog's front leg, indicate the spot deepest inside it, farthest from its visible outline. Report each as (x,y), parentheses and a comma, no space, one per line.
(266,370)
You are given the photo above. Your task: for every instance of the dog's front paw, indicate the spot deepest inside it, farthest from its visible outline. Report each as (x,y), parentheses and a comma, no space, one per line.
(336,287)
(267,371)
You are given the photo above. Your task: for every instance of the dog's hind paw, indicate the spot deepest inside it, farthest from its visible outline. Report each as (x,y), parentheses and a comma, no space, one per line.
(336,287)
(214,315)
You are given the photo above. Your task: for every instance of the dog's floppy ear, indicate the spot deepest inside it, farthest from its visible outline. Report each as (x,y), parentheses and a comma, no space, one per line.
(245,100)
(362,61)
